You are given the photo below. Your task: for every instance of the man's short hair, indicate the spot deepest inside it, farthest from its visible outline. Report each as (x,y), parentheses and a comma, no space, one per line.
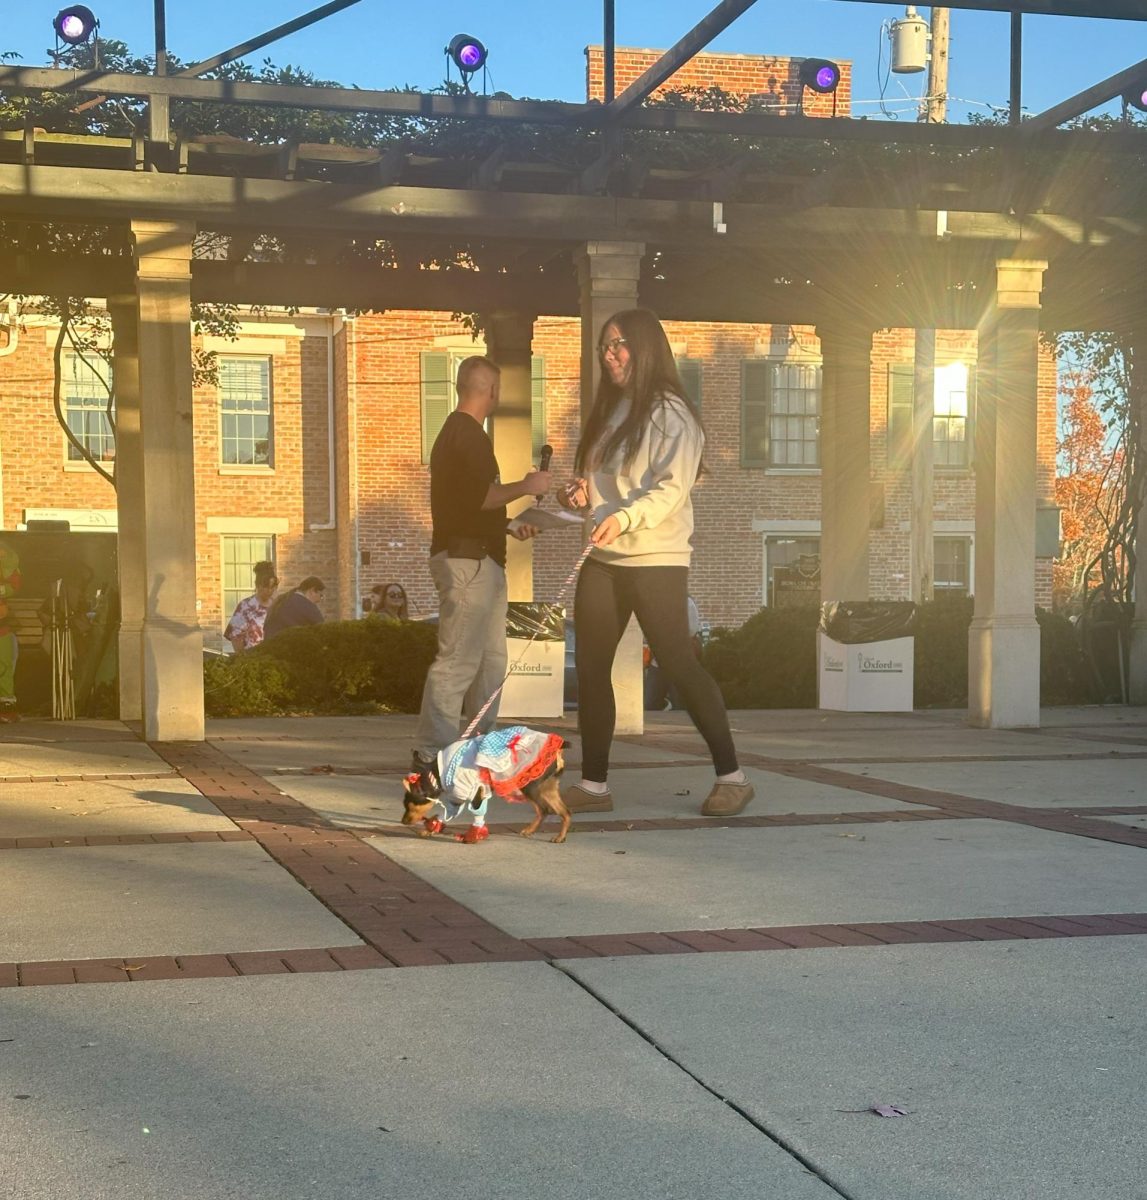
(312,583)
(472,368)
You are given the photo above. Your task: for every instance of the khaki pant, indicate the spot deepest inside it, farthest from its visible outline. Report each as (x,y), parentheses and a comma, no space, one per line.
(471,661)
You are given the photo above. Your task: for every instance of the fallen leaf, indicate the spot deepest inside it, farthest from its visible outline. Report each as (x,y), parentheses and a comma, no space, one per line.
(888,1110)
(682,793)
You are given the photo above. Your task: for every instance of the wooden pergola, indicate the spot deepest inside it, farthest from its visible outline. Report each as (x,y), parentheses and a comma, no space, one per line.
(1008,230)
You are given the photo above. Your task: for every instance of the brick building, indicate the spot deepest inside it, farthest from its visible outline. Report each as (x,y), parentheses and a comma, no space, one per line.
(311,449)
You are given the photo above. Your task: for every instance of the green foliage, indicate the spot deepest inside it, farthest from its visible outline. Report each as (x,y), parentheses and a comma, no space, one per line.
(940,666)
(369,665)
(770,661)
(246,685)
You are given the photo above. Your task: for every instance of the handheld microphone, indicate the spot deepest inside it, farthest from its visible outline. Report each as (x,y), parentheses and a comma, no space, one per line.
(544,461)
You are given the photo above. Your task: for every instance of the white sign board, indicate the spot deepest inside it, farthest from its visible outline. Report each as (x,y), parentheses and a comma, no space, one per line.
(865,677)
(536,682)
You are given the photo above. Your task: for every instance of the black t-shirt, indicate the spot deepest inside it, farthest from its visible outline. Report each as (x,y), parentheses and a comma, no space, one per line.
(462,467)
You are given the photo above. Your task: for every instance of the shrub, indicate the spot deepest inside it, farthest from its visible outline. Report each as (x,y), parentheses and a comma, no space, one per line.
(245,685)
(339,666)
(770,661)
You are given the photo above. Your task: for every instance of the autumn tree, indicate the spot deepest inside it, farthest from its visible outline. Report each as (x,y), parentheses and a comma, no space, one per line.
(1087,470)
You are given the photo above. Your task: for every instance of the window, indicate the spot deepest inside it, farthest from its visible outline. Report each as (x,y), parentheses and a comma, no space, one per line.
(951,421)
(245,411)
(84,387)
(950,557)
(690,371)
(951,416)
(240,554)
(780,414)
(440,370)
(792,571)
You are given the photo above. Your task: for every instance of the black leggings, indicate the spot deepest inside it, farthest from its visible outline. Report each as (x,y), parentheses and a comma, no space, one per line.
(607,596)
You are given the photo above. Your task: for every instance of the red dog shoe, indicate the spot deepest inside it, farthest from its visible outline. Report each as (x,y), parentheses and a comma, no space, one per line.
(476,833)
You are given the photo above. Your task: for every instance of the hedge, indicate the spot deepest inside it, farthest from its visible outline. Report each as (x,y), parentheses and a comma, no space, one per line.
(369,665)
(770,661)
(374,665)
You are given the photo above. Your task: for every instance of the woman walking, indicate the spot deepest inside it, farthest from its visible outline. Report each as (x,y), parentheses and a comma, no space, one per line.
(637,462)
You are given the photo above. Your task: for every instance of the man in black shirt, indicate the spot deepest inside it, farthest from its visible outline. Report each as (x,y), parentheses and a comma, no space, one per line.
(299,606)
(468,561)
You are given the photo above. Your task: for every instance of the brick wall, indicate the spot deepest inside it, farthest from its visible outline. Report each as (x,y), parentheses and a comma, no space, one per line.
(772,81)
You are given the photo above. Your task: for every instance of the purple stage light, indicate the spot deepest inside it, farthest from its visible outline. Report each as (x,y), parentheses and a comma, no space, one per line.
(467,53)
(75,25)
(819,75)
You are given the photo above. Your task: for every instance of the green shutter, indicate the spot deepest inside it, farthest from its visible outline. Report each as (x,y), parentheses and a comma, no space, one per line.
(538,403)
(690,371)
(756,380)
(901,390)
(437,396)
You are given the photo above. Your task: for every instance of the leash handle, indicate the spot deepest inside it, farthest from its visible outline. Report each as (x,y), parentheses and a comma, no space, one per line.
(469,732)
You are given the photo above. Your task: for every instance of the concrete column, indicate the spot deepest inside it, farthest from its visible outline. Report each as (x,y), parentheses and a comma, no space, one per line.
(172,640)
(1137,667)
(124,312)
(844,461)
(608,276)
(1003,642)
(509,338)
(922,557)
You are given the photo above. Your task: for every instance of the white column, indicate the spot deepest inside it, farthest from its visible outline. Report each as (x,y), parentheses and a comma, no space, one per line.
(509,339)
(1003,642)
(844,461)
(172,640)
(124,312)
(608,275)
(923,411)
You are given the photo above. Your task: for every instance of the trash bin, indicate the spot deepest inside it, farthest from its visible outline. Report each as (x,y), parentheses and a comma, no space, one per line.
(865,655)
(536,645)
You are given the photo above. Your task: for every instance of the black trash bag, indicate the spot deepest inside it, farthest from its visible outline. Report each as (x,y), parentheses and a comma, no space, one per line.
(853,621)
(542,622)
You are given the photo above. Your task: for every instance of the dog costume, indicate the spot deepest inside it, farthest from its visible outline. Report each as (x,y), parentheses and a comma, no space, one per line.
(501,762)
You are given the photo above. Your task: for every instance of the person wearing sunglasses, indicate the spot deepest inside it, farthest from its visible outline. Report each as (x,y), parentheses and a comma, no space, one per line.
(637,462)
(388,601)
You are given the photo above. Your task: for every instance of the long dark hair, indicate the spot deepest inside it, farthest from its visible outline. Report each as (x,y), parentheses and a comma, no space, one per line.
(653,376)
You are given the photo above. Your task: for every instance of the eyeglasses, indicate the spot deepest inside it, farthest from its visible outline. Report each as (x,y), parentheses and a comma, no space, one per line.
(609,349)
(398,594)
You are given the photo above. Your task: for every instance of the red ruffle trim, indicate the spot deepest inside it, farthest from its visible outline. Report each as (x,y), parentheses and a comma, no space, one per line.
(510,788)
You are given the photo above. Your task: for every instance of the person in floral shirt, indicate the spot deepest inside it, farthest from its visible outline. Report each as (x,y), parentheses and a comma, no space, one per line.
(245,629)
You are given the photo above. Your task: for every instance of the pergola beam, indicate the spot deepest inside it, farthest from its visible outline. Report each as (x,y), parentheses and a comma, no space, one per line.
(435,107)
(677,56)
(1092,97)
(265,39)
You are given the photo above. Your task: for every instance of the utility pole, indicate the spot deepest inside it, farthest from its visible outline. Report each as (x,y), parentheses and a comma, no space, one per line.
(936,104)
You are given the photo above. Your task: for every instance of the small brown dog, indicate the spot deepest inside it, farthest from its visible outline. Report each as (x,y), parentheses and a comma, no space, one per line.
(518,764)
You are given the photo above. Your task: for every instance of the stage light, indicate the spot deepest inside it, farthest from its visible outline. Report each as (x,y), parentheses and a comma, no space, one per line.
(75,25)
(1136,97)
(467,53)
(819,75)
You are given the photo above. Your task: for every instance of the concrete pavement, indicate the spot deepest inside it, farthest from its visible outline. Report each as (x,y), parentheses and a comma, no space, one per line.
(912,913)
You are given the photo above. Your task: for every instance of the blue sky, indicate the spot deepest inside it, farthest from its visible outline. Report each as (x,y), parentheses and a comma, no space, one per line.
(536,48)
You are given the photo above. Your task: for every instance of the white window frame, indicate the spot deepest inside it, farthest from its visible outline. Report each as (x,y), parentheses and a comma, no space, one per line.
(89,406)
(252,468)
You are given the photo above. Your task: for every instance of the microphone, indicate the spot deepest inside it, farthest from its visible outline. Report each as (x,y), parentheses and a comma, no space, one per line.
(544,461)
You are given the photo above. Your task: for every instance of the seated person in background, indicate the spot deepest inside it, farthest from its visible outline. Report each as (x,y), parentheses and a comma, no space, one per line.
(388,601)
(299,606)
(245,629)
